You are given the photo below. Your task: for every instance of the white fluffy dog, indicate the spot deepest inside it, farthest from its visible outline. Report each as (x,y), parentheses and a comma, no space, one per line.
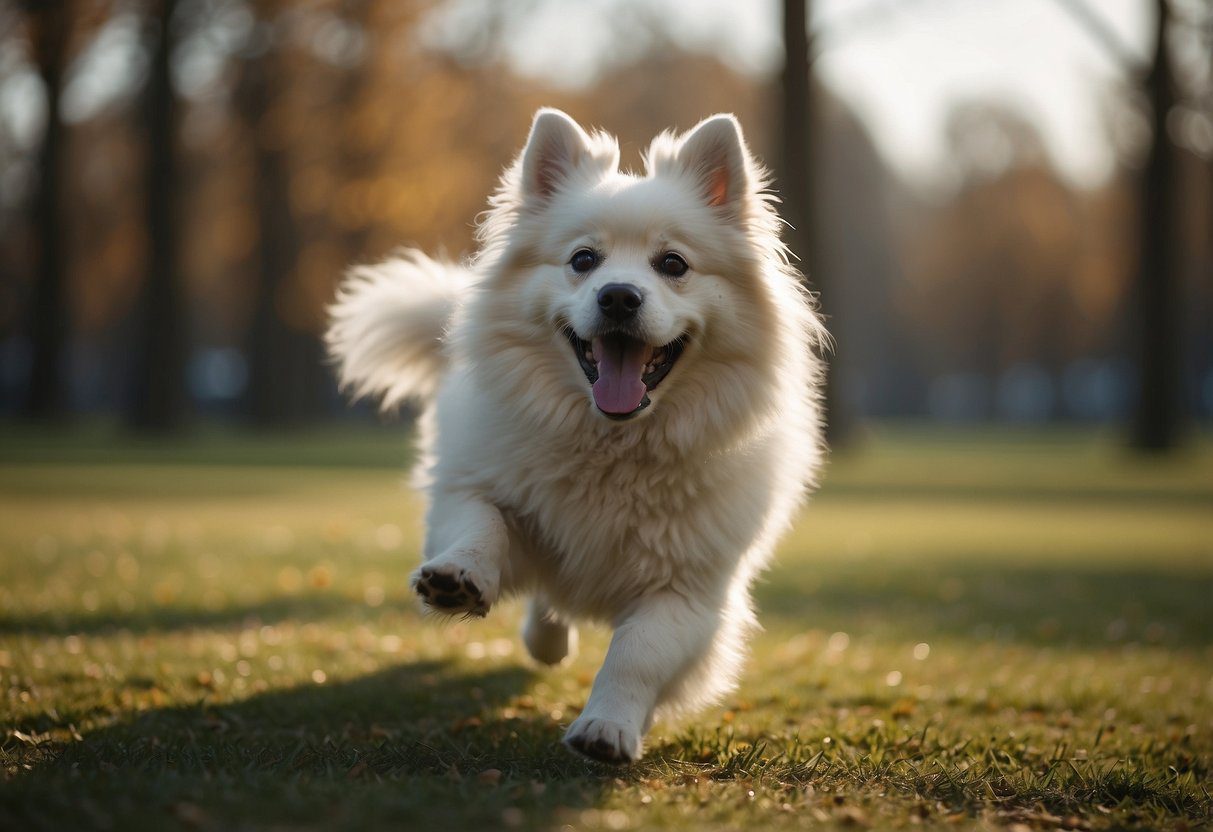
(621,408)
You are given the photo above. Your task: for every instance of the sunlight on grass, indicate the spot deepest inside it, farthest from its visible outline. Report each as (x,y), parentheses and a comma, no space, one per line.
(992,632)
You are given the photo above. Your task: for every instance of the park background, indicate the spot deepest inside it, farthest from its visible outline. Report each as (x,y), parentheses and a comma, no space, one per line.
(995,612)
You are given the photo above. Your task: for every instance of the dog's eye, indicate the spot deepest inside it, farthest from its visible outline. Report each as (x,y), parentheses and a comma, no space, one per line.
(583,260)
(672,265)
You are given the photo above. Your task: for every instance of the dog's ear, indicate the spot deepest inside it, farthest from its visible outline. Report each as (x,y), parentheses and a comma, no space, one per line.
(714,153)
(555,148)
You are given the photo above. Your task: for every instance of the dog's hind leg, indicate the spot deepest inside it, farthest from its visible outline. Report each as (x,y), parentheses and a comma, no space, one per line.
(465,555)
(547,638)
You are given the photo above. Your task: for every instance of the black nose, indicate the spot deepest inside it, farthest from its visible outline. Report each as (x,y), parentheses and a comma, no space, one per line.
(619,301)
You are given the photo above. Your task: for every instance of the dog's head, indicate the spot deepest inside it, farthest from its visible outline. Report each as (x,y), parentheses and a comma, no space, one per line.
(636,289)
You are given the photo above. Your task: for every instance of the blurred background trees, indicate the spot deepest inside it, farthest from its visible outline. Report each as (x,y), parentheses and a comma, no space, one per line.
(158,397)
(182,182)
(49,26)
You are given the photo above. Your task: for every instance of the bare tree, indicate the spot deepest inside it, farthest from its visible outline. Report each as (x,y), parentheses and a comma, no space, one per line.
(797,179)
(50,27)
(159,399)
(356,160)
(1158,413)
(286,373)
(1156,423)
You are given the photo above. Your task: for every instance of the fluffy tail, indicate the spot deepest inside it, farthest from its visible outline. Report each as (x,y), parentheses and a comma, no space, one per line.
(387,325)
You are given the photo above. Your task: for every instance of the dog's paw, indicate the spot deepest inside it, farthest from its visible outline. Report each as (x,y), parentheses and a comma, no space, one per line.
(604,740)
(548,639)
(451,588)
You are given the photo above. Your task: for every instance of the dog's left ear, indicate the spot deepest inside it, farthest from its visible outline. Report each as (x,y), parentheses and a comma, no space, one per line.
(714,153)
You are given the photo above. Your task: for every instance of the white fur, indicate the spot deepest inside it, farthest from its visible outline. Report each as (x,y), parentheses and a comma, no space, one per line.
(656,525)
(387,325)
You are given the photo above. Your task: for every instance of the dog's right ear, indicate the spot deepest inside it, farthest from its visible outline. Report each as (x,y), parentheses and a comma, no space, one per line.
(556,147)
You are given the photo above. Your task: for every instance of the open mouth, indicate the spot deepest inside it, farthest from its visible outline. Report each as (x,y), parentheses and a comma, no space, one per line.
(622,370)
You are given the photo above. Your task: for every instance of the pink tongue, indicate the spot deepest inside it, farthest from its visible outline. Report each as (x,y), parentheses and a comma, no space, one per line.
(619,388)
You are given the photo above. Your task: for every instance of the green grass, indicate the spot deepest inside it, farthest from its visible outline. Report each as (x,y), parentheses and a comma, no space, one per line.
(993,631)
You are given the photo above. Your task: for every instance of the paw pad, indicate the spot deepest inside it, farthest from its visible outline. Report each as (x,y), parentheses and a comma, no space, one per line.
(450,590)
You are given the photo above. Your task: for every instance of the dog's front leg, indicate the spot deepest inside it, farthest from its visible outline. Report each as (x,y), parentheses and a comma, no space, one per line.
(465,553)
(660,641)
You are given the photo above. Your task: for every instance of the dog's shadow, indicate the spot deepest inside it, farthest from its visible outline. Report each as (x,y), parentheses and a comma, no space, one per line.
(426,741)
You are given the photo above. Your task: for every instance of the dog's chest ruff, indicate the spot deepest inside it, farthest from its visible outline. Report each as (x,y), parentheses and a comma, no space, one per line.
(606,528)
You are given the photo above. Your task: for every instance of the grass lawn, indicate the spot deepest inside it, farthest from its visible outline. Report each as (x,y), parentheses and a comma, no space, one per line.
(987,631)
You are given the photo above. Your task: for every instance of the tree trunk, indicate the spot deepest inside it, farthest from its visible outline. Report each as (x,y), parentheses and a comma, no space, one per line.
(356,160)
(286,373)
(49,309)
(159,400)
(798,181)
(1157,417)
